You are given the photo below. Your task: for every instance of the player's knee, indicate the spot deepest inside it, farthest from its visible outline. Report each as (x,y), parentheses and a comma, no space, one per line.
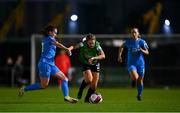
(88,80)
(140,80)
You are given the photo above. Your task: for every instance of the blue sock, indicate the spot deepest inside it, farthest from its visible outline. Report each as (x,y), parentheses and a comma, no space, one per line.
(140,88)
(65,88)
(35,86)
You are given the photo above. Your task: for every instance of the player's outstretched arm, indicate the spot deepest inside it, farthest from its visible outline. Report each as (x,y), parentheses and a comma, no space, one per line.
(63,47)
(145,51)
(60,45)
(77,46)
(121,48)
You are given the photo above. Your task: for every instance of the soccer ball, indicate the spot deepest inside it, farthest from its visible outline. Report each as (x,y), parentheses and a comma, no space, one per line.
(95,98)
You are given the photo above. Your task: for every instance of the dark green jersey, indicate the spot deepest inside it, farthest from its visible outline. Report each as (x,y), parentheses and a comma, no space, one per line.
(86,52)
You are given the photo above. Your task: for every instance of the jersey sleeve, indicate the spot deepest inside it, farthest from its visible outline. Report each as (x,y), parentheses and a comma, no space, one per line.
(80,44)
(144,45)
(52,40)
(99,49)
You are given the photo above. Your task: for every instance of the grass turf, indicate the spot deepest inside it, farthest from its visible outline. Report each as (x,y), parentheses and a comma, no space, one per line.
(115,100)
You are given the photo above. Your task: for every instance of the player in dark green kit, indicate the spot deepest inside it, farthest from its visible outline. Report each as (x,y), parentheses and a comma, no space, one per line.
(89,56)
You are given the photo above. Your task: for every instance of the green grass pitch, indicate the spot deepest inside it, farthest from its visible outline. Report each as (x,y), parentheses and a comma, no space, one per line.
(114,100)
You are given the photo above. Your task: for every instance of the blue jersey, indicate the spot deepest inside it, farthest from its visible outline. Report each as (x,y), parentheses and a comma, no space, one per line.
(135,56)
(48,50)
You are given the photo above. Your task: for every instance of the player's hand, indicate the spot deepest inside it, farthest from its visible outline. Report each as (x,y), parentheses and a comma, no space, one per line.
(91,60)
(120,59)
(69,51)
(71,48)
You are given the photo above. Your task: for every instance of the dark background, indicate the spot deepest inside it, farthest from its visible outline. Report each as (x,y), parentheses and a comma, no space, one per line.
(95,16)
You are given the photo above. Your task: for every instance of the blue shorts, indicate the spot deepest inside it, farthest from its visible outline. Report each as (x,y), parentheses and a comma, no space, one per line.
(140,69)
(46,70)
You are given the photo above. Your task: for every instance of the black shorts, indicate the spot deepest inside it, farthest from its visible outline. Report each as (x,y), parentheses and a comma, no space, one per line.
(93,68)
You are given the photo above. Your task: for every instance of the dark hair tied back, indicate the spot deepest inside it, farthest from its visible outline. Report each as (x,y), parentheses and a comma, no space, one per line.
(48,29)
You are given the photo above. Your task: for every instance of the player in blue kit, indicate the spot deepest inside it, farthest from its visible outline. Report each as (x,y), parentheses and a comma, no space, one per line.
(137,47)
(47,66)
